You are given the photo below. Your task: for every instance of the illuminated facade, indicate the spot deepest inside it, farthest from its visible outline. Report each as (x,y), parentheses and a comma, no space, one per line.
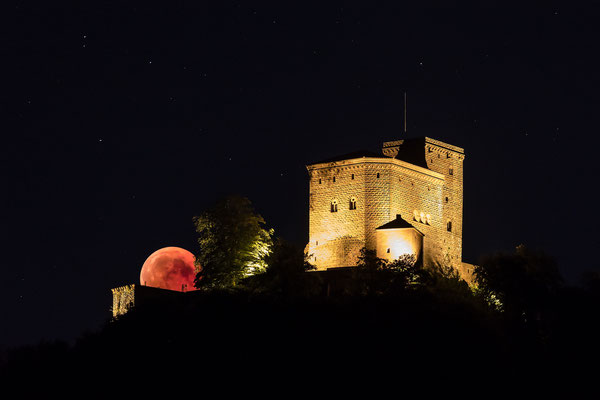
(409,199)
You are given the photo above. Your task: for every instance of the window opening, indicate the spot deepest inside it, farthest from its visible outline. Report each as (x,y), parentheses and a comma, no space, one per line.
(334,205)
(353,203)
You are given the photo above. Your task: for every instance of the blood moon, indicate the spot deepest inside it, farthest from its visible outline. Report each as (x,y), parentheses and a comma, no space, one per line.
(169,268)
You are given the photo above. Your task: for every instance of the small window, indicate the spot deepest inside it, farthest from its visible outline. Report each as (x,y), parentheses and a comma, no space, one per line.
(422,217)
(334,206)
(352,176)
(378,175)
(319,181)
(353,203)
(446,199)
(388,250)
(334,179)
(451,171)
(449,226)
(317,243)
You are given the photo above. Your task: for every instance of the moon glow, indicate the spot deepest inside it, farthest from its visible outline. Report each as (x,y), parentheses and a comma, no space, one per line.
(169,268)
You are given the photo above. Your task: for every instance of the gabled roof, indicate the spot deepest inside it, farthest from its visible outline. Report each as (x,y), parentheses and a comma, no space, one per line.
(398,223)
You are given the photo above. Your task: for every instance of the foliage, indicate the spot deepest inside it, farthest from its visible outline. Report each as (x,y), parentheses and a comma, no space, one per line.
(521,284)
(233,243)
(445,277)
(368,261)
(285,275)
(379,276)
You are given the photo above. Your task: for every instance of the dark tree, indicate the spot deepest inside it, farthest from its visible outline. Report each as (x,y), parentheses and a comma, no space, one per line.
(379,276)
(234,243)
(285,275)
(368,261)
(521,284)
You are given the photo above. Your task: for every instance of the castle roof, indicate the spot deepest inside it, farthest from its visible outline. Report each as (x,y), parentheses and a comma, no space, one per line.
(411,151)
(349,156)
(398,223)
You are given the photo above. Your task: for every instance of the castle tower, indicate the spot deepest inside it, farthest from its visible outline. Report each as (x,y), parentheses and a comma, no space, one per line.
(416,182)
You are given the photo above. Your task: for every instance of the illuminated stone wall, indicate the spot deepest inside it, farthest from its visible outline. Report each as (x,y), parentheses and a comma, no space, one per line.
(393,243)
(442,158)
(123,299)
(127,297)
(428,196)
(337,237)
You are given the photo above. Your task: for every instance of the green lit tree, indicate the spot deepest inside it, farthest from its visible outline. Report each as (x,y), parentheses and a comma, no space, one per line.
(234,244)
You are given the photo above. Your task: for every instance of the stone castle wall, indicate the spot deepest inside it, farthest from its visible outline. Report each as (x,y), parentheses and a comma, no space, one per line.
(448,160)
(123,299)
(428,198)
(337,237)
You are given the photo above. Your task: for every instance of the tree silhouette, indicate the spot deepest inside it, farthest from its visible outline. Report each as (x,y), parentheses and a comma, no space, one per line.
(521,284)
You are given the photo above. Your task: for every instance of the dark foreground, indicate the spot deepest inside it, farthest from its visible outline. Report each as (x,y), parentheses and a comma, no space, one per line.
(229,340)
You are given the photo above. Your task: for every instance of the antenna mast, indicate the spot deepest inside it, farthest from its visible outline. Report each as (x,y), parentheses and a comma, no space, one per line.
(404,112)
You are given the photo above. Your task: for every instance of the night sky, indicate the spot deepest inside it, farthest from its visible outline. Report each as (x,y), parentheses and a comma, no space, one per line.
(121,121)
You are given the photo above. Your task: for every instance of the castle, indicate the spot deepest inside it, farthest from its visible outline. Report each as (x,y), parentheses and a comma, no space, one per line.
(407,200)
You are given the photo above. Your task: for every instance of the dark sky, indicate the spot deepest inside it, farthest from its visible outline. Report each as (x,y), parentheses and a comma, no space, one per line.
(123,120)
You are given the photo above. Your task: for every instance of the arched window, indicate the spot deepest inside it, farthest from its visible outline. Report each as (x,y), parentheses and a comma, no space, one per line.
(334,205)
(353,203)
(422,217)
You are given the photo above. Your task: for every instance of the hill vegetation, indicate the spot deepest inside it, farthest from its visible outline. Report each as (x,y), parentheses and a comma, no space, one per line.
(381,320)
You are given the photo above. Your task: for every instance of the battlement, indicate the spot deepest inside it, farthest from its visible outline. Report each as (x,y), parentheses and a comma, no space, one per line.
(127,297)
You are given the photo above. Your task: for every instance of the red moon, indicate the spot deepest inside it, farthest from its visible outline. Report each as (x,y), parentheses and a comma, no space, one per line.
(169,268)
